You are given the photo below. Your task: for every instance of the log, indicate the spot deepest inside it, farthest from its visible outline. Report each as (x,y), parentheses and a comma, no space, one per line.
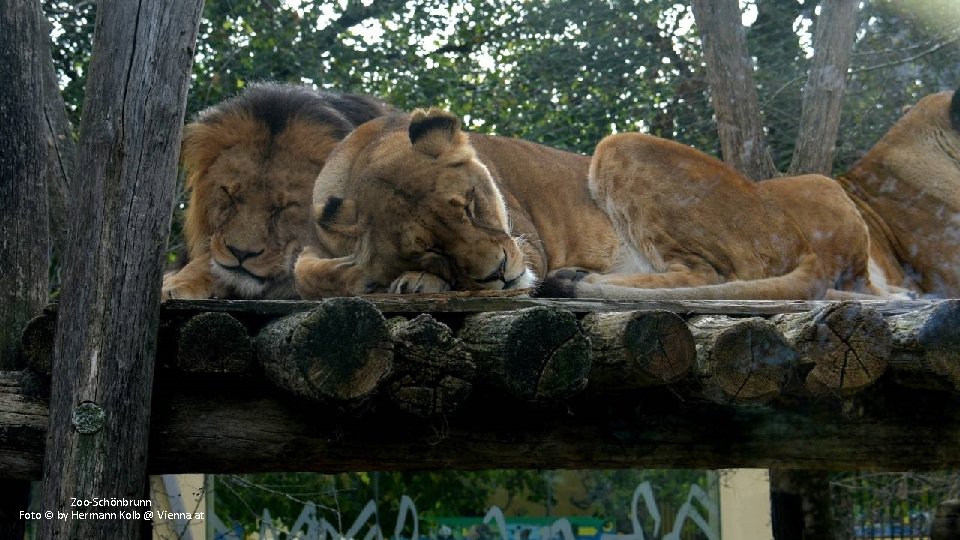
(946,521)
(637,349)
(37,340)
(926,346)
(740,360)
(23,420)
(536,354)
(340,352)
(433,372)
(845,346)
(214,343)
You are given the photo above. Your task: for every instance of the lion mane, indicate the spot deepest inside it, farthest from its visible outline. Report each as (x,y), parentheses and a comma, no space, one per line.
(250,164)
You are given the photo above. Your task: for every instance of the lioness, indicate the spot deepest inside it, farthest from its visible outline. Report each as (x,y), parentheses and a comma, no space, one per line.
(908,189)
(413,204)
(251,162)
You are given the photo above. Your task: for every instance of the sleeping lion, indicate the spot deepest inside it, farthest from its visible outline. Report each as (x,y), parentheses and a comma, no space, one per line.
(251,162)
(908,190)
(413,204)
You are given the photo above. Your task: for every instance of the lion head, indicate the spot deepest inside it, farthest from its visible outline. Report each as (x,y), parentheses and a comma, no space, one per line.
(251,163)
(409,195)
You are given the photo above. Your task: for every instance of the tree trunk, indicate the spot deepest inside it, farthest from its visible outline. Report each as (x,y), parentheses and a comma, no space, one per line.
(61,155)
(106,329)
(24,257)
(730,75)
(823,93)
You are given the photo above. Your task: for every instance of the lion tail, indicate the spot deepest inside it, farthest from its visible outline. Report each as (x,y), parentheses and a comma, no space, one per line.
(805,282)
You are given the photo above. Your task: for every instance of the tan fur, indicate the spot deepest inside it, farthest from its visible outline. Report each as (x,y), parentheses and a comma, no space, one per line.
(908,189)
(656,219)
(251,187)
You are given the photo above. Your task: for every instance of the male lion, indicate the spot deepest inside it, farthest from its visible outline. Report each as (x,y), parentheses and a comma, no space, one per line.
(251,162)
(908,190)
(412,204)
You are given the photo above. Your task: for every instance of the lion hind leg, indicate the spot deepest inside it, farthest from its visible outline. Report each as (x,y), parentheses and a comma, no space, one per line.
(805,282)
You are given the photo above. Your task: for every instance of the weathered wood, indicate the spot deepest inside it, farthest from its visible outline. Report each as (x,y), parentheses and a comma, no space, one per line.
(214,343)
(636,349)
(24,253)
(38,338)
(433,372)
(537,354)
(926,346)
(340,352)
(845,346)
(441,303)
(946,521)
(104,353)
(227,424)
(741,360)
(23,422)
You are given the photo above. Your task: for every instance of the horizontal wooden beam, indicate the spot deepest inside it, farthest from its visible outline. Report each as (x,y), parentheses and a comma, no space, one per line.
(479,302)
(229,424)
(259,386)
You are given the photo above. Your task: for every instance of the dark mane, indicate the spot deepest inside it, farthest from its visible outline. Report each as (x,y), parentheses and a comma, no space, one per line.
(276,104)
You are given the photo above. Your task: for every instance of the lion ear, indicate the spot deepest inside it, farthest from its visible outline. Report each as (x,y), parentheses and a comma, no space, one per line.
(337,215)
(435,132)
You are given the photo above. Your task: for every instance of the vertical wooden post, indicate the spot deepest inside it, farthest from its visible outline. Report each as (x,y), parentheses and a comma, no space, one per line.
(106,331)
(24,240)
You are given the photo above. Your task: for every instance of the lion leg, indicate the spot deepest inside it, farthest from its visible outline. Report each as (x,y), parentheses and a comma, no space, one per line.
(418,282)
(805,282)
(317,277)
(192,282)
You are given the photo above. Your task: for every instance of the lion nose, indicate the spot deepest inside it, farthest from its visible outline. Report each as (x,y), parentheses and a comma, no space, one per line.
(243,255)
(497,274)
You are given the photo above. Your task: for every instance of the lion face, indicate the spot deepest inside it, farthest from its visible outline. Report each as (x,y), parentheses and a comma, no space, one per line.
(259,218)
(418,200)
(251,163)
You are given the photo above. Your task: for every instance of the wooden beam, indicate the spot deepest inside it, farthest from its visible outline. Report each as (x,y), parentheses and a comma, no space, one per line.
(226,423)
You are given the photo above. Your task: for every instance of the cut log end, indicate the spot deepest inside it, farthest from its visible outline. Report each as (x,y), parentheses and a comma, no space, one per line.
(537,354)
(637,349)
(339,352)
(846,346)
(926,346)
(741,360)
(214,343)
(433,373)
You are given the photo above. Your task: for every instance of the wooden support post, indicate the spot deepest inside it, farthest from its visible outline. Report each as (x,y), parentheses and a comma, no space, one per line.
(433,373)
(844,345)
(741,360)
(104,353)
(946,521)
(636,349)
(213,343)
(926,346)
(537,354)
(339,353)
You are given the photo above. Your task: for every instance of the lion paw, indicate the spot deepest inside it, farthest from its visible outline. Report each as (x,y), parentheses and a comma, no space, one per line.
(418,282)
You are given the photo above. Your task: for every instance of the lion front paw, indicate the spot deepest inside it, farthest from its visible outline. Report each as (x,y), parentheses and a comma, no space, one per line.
(176,287)
(418,282)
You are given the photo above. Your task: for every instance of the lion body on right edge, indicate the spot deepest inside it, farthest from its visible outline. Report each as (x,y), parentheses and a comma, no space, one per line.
(415,205)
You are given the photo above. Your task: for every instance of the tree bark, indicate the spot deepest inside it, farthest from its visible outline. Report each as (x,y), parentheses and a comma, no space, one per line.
(106,329)
(24,239)
(24,257)
(61,155)
(730,75)
(823,93)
